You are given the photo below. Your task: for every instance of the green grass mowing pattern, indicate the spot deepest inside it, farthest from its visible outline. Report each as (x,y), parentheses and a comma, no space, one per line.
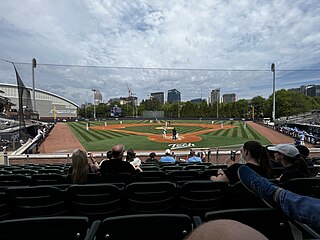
(243,132)
(221,137)
(235,132)
(253,133)
(91,133)
(215,132)
(82,137)
(226,133)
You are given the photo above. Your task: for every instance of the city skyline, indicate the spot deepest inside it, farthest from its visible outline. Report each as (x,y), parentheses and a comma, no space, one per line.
(158,45)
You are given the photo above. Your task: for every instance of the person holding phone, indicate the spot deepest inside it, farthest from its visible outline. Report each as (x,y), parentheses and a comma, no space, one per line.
(94,165)
(254,155)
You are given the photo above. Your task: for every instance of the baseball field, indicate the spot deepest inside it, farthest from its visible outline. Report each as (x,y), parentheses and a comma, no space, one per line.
(148,135)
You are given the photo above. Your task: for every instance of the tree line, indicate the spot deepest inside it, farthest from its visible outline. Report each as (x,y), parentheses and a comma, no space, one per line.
(287,103)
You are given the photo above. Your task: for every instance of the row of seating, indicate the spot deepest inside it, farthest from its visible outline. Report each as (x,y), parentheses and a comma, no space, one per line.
(101,200)
(270,222)
(146,176)
(97,201)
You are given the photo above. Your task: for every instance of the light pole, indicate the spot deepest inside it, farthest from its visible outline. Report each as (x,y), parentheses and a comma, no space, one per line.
(34,64)
(94,103)
(273,69)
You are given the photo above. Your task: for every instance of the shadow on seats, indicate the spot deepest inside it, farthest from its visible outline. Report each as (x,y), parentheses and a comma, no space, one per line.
(270,222)
(150,197)
(146,226)
(198,197)
(37,201)
(49,228)
(95,201)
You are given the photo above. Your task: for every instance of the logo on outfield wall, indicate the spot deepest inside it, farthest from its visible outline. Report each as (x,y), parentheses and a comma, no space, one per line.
(181,145)
(64,111)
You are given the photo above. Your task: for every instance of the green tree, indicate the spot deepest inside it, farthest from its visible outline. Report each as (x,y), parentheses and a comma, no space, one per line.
(259,103)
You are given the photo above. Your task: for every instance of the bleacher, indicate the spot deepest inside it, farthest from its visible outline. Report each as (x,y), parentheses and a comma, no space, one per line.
(179,195)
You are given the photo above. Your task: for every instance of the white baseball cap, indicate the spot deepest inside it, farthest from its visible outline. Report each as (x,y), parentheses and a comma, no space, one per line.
(286,149)
(168,151)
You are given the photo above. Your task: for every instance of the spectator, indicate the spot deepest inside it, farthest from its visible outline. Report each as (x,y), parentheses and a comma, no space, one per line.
(133,159)
(273,162)
(304,153)
(109,156)
(80,167)
(167,158)
(255,156)
(116,164)
(193,158)
(300,208)
(295,166)
(152,158)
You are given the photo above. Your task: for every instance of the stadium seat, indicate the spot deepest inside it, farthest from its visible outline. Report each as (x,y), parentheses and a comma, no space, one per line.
(270,222)
(124,178)
(95,201)
(170,168)
(197,167)
(151,176)
(4,172)
(183,175)
(27,172)
(145,227)
(49,228)
(50,171)
(218,166)
(150,197)
(38,201)
(4,207)
(150,168)
(303,186)
(47,179)
(238,196)
(14,180)
(198,197)
(206,174)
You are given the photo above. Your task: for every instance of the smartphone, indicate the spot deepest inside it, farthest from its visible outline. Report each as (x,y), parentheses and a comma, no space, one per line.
(233,155)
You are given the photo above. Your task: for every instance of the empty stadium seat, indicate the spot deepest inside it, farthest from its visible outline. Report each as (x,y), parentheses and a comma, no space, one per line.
(47,179)
(151,176)
(146,226)
(199,197)
(95,201)
(49,228)
(37,201)
(150,197)
(14,180)
(303,186)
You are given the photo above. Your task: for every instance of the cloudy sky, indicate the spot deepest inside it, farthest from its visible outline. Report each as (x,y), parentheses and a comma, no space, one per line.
(156,45)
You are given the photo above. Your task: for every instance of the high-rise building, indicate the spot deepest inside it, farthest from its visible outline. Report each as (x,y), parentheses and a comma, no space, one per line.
(230,97)
(173,96)
(215,96)
(159,96)
(310,90)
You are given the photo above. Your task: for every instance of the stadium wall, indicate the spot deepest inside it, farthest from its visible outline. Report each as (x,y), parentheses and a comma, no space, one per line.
(45,103)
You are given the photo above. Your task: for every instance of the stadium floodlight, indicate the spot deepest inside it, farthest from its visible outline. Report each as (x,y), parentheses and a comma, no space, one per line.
(34,64)
(94,103)
(273,69)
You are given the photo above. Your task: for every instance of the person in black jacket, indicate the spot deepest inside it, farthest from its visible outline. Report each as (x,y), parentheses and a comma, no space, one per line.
(116,164)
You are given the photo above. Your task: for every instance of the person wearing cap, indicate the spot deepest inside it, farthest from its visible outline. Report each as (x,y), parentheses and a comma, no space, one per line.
(167,158)
(294,165)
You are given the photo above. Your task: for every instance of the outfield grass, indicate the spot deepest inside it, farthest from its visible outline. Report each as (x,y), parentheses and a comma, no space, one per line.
(99,140)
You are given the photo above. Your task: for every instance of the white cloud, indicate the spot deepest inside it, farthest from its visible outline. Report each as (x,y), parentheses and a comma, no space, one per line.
(167,34)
